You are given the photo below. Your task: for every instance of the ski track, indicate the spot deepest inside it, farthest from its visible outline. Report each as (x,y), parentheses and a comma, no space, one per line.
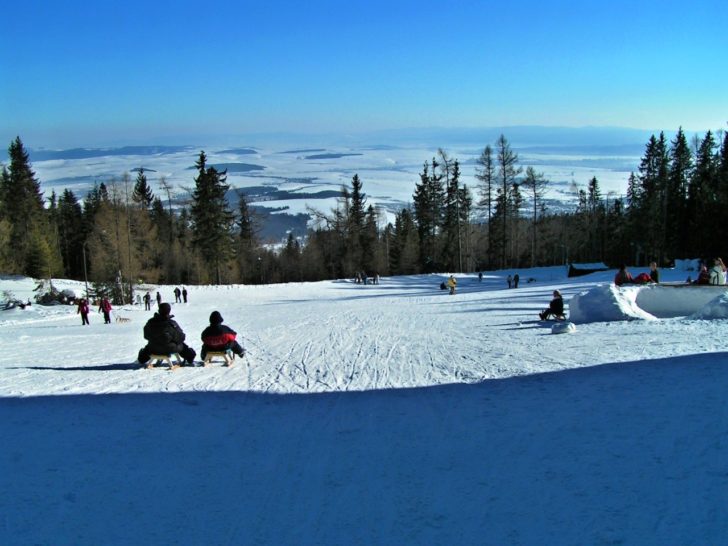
(341,337)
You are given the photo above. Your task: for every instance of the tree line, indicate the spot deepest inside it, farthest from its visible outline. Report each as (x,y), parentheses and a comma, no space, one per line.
(122,232)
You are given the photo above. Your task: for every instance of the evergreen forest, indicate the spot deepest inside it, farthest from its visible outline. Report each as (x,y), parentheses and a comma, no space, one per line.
(123,232)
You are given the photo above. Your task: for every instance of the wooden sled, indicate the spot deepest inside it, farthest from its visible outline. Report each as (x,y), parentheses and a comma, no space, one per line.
(227,356)
(165,358)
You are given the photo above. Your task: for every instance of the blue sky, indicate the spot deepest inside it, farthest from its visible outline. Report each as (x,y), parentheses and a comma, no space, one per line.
(141,71)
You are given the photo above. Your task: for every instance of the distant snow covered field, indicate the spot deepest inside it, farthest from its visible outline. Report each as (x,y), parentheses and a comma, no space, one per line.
(380,414)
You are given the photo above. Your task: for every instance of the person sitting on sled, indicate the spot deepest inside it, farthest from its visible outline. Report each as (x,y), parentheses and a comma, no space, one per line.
(555,308)
(165,337)
(219,338)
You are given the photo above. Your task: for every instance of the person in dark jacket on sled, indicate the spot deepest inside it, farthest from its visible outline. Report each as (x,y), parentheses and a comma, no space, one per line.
(556,308)
(219,338)
(165,337)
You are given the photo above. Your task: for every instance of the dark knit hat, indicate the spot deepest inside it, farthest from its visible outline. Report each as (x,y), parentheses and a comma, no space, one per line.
(165,309)
(215,317)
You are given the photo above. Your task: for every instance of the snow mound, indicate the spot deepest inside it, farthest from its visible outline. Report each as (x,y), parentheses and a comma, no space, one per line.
(563,328)
(607,303)
(717,308)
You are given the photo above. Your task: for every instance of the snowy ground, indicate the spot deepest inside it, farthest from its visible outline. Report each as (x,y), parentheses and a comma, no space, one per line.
(370,414)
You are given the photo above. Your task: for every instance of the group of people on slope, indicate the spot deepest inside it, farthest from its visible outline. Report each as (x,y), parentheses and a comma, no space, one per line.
(513,281)
(623,276)
(716,275)
(83,309)
(165,337)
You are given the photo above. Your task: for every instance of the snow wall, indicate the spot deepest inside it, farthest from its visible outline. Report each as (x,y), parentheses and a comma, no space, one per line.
(608,302)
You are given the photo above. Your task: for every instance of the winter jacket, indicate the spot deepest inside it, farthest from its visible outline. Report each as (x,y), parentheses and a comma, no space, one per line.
(716,275)
(83,308)
(164,335)
(623,277)
(556,306)
(218,336)
(105,306)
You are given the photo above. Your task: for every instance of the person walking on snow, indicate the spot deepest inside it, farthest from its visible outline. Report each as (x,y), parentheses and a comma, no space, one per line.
(452,283)
(105,308)
(83,311)
(177,295)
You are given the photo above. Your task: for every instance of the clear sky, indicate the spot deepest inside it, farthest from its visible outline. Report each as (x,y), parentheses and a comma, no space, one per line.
(84,73)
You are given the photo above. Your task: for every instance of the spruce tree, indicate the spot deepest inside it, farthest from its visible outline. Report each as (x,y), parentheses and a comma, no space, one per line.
(212,220)
(143,195)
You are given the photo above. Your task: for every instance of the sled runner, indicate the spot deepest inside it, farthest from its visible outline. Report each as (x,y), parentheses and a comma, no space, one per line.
(165,358)
(227,356)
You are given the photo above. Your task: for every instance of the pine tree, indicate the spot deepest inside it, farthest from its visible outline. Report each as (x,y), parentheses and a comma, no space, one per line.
(428,210)
(508,170)
(702,200)
(678,180)
(535,184)
(23,208)
(212,220)
(485,172)
(142,195)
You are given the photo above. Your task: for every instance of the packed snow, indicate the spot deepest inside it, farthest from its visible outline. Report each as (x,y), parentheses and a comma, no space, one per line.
(391,413)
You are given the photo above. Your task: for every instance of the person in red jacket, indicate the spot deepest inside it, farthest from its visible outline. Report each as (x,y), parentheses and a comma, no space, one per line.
(83,311)
(105,308)
(218,337)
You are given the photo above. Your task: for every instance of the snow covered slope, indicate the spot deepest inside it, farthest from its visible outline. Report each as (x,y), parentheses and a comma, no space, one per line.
(471,423)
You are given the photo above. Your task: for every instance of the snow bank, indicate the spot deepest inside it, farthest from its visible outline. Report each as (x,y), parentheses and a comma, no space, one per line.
(606,303)
(681,300)
(717,308)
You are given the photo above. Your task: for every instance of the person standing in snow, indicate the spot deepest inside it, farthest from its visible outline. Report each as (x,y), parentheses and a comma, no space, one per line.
(184,294)
(516,278)
(83,311)
(218,337)
(159,299)
(717,272)
(510,280)
(165,337)
(451,284)
(147,302)
(177,294)
(105,308)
